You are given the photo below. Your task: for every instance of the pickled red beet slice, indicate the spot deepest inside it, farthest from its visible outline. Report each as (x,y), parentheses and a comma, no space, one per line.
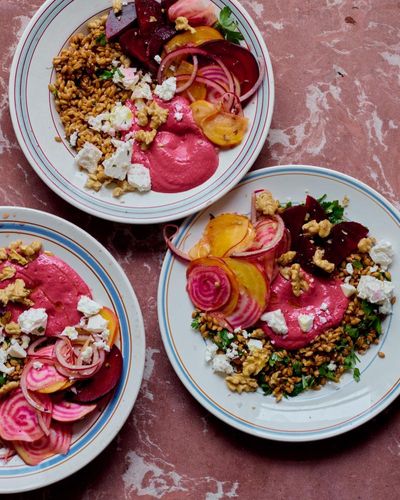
(238,60)
(150,16)
(314,209)
(158,39)
(343,240)
(104,380)
(293,217)
(116,25)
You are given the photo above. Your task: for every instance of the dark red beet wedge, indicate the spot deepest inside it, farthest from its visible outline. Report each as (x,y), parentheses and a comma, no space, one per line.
(166,4)
(293,217)
(238,60)
(343,240)
(314,209)
(104,380)
(134,45)
(305,250)
(117,25)
(158,39)
(150,16)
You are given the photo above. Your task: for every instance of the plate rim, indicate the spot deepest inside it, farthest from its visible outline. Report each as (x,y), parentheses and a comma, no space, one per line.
(156,216)
(41,478)
(286,436)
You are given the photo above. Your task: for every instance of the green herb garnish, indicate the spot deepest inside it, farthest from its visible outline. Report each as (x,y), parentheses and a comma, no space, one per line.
(195,324)
(357,264)
(350,362)
(3,379)
(101,40)
(307,381)
(324,371)
(222,339)
(107,74)
(352,331)
(228,26)
(297,366)
(275,358)
(334,210)
(356,374)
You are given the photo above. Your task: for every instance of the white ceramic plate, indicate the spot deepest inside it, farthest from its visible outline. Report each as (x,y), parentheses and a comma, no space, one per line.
(36,121)
(110,287)
(312,415)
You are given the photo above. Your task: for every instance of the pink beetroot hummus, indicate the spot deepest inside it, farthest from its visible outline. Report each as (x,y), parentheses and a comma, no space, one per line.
(324,300)
(55,286)
(180,157)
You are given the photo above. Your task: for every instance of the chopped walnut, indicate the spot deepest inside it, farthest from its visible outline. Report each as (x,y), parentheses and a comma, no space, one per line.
(240,383)
(365,245)
(182,24)
(3,254)
(258,333)
(297,279)
(319,261)
(17,257)
(142,117)
(123,187)
(117,6)
(145,137)
(266,203)
(15,292)
(12,328)
(345,201)
(255,361)
(158,115)
(322,228)
(7,272)
(286,258)
(8,387)
(31,249)
(93,183)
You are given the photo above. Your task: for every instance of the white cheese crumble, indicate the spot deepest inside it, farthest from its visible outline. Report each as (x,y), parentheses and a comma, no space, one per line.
(117,165)
(26,340)
(100,344)
(37,365)
(167,89)
(376,292)
(349,268)
(324,306)
(33,321)
(230,335)
(178,116)
(139,177)
(254,344)
(347,289)
(211,351)
(142,91)
(232,351)
(3,368)
(276,321)
(2,337)
(119,118)
(86,354)
(96,324)
(73,138)
(88,157)
(157,59)
(88,306)
(71,332)
(306,322)
(221,364)
(382,253)
(332,366)
(15,350)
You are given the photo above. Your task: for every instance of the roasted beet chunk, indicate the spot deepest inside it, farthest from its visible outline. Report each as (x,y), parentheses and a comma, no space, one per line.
(314,209)
(343,240)
(117,25)
(158,39)
(293,217)
(305,250)
(135,46)
(150,16)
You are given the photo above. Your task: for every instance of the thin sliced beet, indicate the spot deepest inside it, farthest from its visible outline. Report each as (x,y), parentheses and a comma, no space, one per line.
(135,45)
(239,60)
(150,16)
(293,217)
(103,381)
(116,25)
(314,209)
(158,39)
(344,238)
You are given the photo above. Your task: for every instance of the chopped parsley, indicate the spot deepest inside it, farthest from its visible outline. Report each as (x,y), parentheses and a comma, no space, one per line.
(195,324)
(108,74)
(101,40)
(334,210)
(357,264)
(350,362)
(222,340)
(352,332)
(275,358)
(307,381)
(324,371)
(297,366)
(3,379)
(356,374)
(228,26)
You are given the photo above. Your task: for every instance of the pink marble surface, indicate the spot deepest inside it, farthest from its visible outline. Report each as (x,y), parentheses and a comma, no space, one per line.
(337,67)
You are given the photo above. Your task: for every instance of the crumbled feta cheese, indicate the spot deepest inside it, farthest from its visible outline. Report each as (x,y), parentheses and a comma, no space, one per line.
(347,279)
(100,344)
(232,352)
(245,334)
(142,91)
(86,354)
(332,366)
(87,306)
(2,337)
(117,165)
(105,334)
(323,320)
(127,77)
(373,269)
(254,344)
(230,335)
(382,253)
(237,330)
(374,290)
(347,289)
(276,321)
(139,177)
(147,78)
(71,332)
(349,268)
(324,306)
(16,351)
(178,116)
(167,89)
(37,365)
(96,324)
(115,63)
(3,359)
(211,350)
(157,59)
(386,307)
(73,139)
(88,157)
(221,364)
(26,340)
(33,321)
(121,117)
(306,322)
